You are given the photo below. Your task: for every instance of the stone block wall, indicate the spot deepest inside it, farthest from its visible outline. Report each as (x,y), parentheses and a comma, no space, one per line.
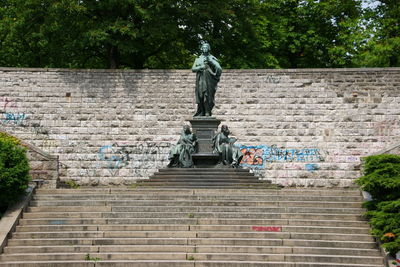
(44,168)
(305,127)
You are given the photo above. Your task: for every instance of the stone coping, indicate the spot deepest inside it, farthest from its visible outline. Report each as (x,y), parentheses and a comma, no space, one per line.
(10,218)
(311,70)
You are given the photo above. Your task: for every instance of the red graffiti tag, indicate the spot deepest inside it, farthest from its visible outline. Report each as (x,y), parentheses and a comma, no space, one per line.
(267,228)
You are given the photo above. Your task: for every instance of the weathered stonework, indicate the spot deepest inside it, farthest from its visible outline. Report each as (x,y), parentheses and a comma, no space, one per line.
(304,127)
(44,168)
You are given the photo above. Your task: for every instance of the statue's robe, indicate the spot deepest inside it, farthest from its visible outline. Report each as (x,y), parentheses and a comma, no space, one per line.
(207,78)
(180,155)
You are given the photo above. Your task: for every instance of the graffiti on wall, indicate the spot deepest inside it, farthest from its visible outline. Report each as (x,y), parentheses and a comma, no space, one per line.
(258,156)
(114,156)
(14,118)
(311,167)
(7,107)
(135,159)
(273,79)
(7,103)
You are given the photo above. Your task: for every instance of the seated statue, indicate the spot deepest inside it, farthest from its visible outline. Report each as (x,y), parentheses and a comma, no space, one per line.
(223,145)
(180,155)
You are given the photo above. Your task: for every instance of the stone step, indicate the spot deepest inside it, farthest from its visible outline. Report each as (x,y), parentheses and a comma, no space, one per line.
(203,181)
(100,256)
(195,256)
(267,204)
(194,221)
(202,209)
(315,216)
(190,184)
(197,175)
(193,249)
(158,191)
(192,234)
(253,198)
(178,227)
(196,170)
(120,200)
(286,257)
(194,242)
(186,263)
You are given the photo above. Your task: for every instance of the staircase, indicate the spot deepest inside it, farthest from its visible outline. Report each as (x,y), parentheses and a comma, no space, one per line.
(193,227)
(204,178)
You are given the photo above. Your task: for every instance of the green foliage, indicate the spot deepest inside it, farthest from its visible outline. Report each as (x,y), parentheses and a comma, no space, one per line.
(382,180)
(167,34)
(89,258)
(382,45)
(14,170)
(190,258)
(382,177)
(71,184)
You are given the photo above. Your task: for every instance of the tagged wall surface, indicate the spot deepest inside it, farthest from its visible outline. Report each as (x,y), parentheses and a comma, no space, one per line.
(304,127)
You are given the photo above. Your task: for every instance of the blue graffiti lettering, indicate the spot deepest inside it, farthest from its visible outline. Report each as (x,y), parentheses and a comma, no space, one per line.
(15,118)
(258,156)
(311,167)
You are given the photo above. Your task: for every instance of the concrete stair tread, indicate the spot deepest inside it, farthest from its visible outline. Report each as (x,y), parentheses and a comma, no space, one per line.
(283,191)
(200,173)
(198,256)
(193,227)
(185,263)
(289,198)
(224,170)
(243,221)
(194,239)
(192,249)
(187,226)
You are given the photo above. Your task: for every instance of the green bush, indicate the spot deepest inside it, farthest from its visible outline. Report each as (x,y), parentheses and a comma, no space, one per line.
(14,170)
(382,177)
(382,180)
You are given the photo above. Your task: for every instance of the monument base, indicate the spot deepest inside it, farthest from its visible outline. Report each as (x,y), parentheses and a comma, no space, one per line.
(205,160)
(205,129)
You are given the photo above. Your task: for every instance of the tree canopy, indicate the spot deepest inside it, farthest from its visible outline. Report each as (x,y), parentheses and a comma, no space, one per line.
(168,33)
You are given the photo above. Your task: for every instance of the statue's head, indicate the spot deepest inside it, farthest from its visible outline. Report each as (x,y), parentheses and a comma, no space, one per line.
(224,129)
(205,48)
(186,129)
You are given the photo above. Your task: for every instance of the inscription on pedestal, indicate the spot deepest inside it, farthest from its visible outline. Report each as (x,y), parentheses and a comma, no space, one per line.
(205,134)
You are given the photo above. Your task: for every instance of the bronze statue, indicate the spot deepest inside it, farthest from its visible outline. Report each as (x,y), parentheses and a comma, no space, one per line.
(224,146)
(180,155)
(208,72)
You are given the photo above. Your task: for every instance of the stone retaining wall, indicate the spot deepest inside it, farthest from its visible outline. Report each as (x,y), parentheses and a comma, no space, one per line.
(305,127)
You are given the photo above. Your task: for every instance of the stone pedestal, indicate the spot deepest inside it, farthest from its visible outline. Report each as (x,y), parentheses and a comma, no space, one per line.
(205,128)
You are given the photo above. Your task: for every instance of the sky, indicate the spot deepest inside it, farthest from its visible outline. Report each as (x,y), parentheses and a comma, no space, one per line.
(369,3)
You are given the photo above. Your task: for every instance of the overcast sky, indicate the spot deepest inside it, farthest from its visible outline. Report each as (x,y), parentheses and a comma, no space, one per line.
(369,3)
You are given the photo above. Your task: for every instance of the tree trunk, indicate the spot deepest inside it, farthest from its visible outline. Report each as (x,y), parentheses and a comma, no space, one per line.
(113,57)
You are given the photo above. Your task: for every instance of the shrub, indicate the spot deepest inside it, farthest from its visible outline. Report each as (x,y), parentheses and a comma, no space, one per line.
(382,180)
(382,177)
(14,170)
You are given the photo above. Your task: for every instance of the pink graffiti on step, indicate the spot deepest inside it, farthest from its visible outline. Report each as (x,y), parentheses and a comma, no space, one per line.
(267,228)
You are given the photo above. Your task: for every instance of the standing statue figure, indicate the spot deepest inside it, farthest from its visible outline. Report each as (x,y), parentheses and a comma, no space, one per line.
(223,145)
(180,155)
(208,71)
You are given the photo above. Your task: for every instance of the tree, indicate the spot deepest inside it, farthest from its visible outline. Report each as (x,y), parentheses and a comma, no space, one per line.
(168,33)
(383,44)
